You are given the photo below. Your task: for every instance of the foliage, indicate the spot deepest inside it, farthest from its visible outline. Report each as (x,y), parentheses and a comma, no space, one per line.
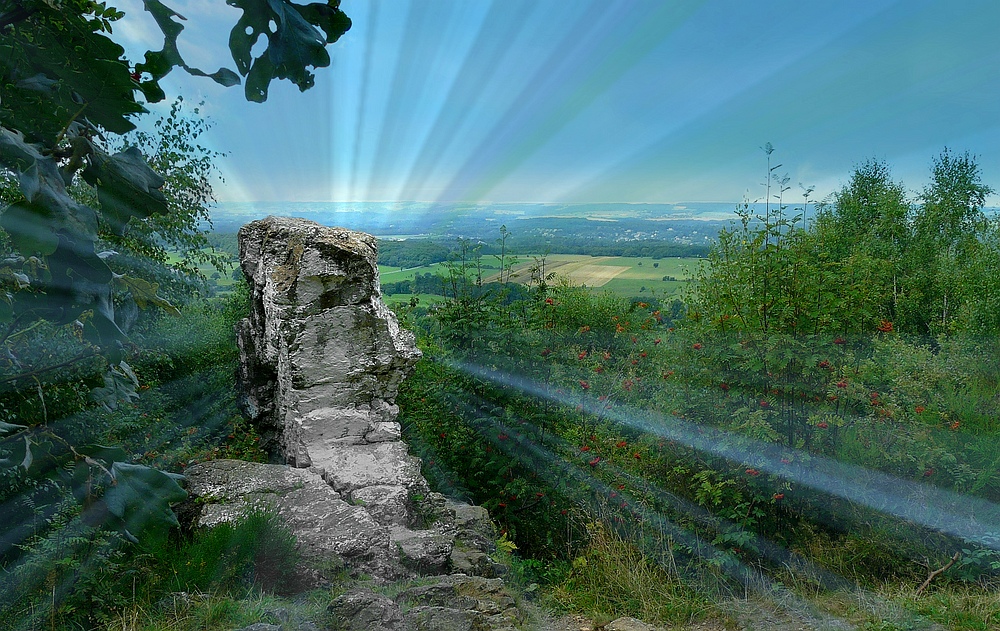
(713,421)
(173,149)
(65,88)
(54,531)
(94,578)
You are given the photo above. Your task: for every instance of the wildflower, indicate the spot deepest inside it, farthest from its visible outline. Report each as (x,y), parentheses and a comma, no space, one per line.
(764,404)
(642,354)
(621,487)
(822,425)
(619,329)
(635,362)
(778,497)
(656,341)
(592,438)
(954,426)
(582,355)
(546,352)
(442,434)
(620,444)
(696,346)
(824,364)
(643,305)
(562,512)
(502,436)
(634,338)
(550,301)
(637,456)
(928,473)
(585,448)
(584,384)
(594,462)
(607,356)
(584,329)
(753,472)
(919,409)
(627,385)
(724,385)
(839,341)
(841,384)
(502,505)
(885,326)
(598,369)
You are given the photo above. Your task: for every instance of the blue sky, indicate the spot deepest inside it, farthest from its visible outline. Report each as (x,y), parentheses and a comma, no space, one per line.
(611,100)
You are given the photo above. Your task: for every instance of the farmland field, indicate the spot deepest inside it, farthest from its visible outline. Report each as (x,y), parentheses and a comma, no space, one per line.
(628,276)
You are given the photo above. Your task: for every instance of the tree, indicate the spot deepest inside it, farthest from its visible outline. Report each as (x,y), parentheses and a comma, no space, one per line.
(65,88)
(949,234)
(865,232)
(67,97)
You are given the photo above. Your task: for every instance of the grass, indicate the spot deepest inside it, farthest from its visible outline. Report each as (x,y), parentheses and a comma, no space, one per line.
(612,578)
(218,612)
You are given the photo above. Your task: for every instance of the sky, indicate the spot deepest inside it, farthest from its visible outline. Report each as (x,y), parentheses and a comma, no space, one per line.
(600,101)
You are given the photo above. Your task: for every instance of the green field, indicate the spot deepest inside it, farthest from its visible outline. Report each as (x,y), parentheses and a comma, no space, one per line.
(628,276)
(225,276)
(394,274)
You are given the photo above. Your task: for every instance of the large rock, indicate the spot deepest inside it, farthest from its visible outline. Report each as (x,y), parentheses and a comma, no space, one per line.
(322,358)
(447,603)
(330,532)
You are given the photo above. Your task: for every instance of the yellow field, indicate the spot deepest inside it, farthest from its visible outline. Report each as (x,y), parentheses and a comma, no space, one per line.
(592,271)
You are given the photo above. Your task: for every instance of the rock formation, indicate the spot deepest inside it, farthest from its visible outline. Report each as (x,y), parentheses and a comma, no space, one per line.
(322,358)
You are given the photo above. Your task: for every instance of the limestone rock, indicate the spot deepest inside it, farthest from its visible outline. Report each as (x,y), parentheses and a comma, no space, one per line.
(325,526)
(363,610)
(322,357)
(448,603)
(426,552)
(629,624)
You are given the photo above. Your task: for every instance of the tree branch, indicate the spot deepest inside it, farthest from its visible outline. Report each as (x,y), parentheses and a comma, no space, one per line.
(930,577)
(48,368)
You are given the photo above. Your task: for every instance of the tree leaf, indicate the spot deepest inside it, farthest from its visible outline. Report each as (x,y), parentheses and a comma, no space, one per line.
(140,497)
(144,293)
(126,187)
(119,385)
(29,228)
(9,428)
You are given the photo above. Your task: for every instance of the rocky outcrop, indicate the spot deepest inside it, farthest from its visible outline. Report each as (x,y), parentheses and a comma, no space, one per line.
(455,602)
(322,359)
